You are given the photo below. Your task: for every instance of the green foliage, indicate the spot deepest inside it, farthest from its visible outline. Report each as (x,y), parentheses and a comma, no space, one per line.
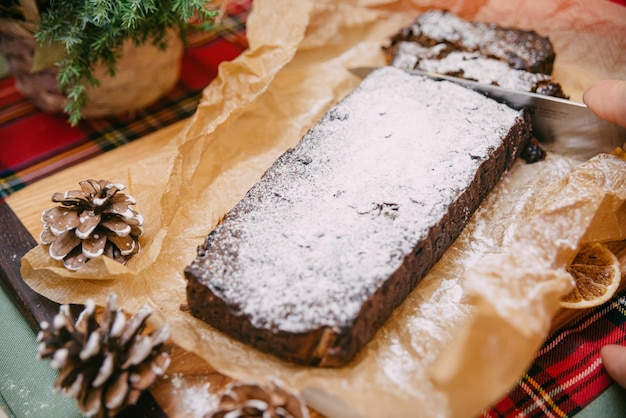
(93,31)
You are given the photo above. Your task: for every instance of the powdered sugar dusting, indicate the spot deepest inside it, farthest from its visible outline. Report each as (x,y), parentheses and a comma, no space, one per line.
(518,48)
(333,218)
(471,65)
(444,26)
(197,400)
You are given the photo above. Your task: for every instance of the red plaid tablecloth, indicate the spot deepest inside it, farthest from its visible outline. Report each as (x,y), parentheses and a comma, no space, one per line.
(567,373)
(34,145)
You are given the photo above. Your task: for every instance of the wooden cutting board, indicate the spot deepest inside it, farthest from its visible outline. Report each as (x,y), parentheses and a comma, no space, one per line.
(191,386)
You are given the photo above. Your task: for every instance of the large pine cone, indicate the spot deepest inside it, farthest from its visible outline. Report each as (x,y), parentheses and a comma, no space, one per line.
(248,400)
(105,367)
(96,220)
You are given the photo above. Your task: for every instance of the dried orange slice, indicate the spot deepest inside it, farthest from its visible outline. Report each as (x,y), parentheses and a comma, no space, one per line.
(596,271)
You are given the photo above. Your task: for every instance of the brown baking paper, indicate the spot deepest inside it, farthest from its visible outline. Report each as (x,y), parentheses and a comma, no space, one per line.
(471,327)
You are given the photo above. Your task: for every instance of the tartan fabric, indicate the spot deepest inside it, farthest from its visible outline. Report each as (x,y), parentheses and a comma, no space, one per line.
(567,373)
(34,145)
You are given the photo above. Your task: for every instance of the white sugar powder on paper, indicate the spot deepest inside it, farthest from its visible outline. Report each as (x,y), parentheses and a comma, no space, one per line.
(194,400)
(336,216)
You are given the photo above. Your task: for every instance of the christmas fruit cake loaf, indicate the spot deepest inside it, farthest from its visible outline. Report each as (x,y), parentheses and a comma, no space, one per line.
(441,42)
(338,231)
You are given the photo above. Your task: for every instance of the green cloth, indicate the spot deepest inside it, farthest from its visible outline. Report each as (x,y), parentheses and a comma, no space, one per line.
(26,383)
(611,404)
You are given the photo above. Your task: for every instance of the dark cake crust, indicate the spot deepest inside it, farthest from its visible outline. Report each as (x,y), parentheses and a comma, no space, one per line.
(337,345)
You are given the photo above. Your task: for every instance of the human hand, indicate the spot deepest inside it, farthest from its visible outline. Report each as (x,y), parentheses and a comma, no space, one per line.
(614,359)
(607,99)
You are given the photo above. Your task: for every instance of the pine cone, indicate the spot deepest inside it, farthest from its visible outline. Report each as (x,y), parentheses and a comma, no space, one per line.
(93,221)
(105,367)
(245,400)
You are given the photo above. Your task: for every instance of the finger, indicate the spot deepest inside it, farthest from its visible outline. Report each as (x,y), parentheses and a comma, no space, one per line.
(607,99)
(614,360)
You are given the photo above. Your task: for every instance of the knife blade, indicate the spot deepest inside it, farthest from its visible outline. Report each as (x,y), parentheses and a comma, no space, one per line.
(562,126)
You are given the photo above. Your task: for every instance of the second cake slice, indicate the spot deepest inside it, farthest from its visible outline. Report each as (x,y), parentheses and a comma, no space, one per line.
(317,255)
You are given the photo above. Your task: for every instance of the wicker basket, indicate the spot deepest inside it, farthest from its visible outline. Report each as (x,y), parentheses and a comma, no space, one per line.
(143,74)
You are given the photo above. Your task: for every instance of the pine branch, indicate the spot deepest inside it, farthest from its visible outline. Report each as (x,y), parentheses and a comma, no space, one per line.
(93,31)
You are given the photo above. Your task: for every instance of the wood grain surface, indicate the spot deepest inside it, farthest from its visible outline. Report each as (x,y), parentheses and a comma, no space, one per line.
(15,242)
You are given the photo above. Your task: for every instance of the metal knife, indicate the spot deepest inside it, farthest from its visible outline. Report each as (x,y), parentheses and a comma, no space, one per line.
(562,126)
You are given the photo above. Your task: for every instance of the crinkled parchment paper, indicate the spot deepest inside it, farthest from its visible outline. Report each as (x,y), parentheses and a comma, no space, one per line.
(472,326)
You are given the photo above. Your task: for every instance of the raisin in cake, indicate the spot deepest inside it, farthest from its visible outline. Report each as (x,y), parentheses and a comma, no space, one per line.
(317,255)
(441,42)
